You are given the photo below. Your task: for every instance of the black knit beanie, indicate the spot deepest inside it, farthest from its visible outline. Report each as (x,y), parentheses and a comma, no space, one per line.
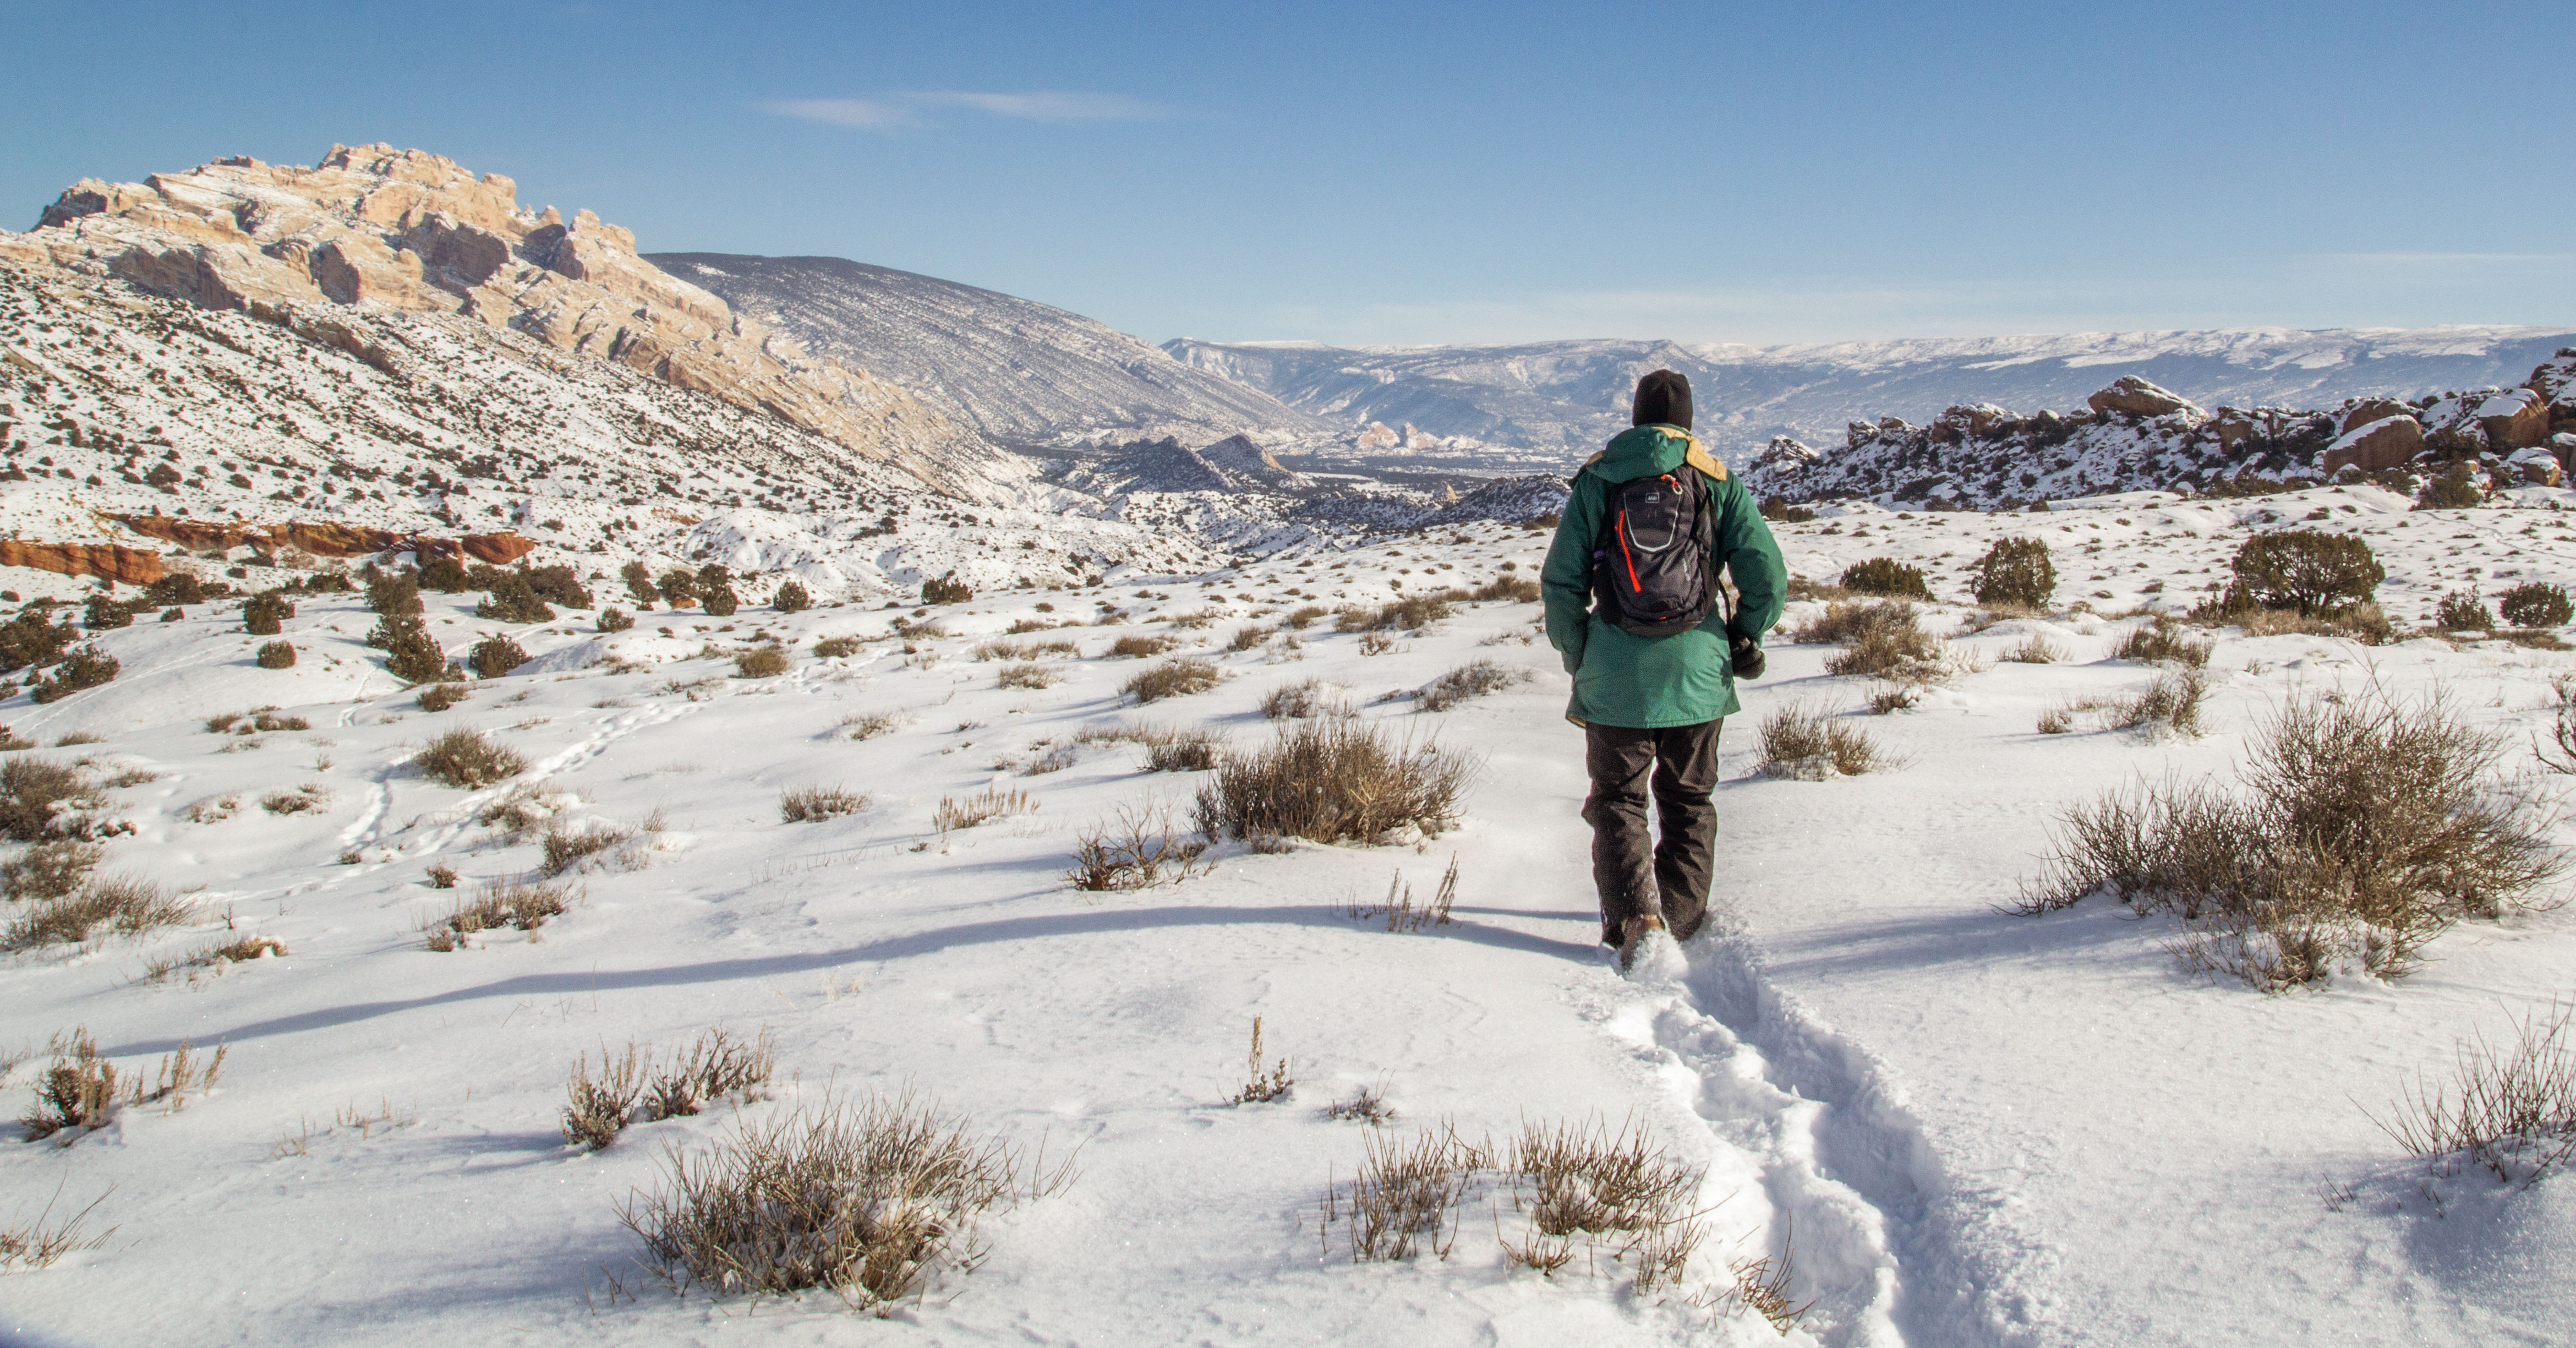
(1662,398)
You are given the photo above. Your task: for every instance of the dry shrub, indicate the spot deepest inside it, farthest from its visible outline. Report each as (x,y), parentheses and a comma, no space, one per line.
(1303,700)
(33,1244)
(77,1093)
(441,877)
(2163,642)
(566,848)
(1376,643)
(1172,678)
(48,870)
(1137,852)
(1366,1105)
(1304,617)
(1615,1191)
(1411,613)
(1882,641)
(872,1201)
(33,792)
(983,807)
(1248,638)
(2509,1109)
(1894,697)
(216,955)
(467,759)
(833,648)
(1333,781)
(2170,705)
(2056,720)
(122,903)
(1002,650)
(1509,589)
(1402,914)
(2037,649)
(1194,621)
(868,725)
(629,1088)
(1195,750)
(78,737)
(498,904)
(814,804)
(2360,830)
(518,812)
(1407,1194)
(762,662)
(1810,744)
(309,798)
(1474,679)
(1762,1284)
(1263,1085)
(1030,675)
(1141,646)
(435,697)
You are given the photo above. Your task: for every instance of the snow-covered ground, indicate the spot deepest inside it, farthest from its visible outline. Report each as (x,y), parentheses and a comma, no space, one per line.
(1967,1127)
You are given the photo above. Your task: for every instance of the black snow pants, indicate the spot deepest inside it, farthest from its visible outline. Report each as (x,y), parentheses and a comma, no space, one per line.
(1635,874)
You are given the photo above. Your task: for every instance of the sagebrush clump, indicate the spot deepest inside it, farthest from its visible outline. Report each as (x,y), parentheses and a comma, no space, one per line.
(1887,576)
(2016,572)
(1172,678)
(1334,780)
(2360,830)
(468,759)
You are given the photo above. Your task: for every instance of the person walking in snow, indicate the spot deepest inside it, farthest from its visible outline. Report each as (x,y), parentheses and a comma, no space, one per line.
(1635,609)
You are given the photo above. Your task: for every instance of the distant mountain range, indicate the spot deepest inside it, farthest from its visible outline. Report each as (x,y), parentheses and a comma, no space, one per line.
(1024,374)
(1570,396)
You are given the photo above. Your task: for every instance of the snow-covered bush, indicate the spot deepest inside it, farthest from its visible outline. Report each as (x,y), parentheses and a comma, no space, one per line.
(48,870)
(760,662)
(275,655)
(2361,830)
(1029,674)
(495,906)
(467,759)
(833,648)
(33,792)
(1303,700)
(1335,780)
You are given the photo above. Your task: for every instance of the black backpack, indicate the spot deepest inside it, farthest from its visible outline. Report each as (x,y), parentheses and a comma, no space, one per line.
(1651,570)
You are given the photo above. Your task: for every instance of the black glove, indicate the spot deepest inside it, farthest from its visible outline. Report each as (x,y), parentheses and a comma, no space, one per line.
(1748,657)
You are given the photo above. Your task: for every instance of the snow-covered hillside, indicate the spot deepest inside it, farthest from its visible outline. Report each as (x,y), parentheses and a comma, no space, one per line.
(1949,1124)
(1566,398)
(1020,372)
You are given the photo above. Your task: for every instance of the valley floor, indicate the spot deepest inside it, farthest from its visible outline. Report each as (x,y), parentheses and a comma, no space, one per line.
(1960,1125)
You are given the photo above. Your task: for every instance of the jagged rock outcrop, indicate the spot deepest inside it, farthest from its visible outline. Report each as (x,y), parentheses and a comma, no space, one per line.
(377,228)
(2138,396)
(2373,446)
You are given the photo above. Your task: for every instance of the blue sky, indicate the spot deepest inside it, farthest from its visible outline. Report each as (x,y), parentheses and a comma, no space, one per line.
(1403,173)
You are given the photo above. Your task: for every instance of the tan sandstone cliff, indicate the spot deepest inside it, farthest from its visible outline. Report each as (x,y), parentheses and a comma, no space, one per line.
(382,229)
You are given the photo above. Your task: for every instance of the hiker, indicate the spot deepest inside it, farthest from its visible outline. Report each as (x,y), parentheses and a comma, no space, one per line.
(1634,607)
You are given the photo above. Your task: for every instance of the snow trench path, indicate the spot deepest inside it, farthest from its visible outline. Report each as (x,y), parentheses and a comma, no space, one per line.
(1857,1198)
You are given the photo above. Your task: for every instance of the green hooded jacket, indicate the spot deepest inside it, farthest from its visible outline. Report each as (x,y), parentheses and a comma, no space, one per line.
(1621,679)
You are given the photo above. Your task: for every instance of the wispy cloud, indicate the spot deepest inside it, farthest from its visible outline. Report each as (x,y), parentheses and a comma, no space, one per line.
(886,112)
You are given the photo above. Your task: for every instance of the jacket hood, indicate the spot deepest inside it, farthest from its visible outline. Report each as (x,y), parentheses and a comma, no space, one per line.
(1642,451)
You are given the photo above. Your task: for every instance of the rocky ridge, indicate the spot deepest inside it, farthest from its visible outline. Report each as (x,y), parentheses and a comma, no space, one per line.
(377,229)
(2136,435)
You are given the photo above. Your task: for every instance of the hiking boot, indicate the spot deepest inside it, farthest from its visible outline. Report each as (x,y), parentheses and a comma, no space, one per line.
(1633,935)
